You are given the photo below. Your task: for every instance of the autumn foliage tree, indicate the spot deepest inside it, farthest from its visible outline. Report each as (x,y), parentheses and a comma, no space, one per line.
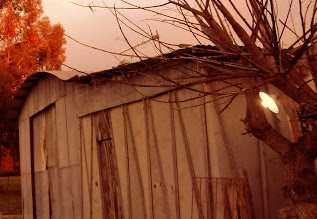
(28,42)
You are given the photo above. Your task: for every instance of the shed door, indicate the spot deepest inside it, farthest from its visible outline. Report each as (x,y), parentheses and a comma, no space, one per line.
(44,162)
(110,186)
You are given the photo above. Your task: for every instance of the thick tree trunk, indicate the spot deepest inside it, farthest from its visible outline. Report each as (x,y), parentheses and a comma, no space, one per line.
(300,181)
(300,176)
(257,124)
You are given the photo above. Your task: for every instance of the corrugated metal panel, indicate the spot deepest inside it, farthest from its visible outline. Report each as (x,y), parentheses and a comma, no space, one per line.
(32,80)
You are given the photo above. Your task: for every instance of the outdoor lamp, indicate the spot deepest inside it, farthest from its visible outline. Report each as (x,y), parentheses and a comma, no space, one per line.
(268,102)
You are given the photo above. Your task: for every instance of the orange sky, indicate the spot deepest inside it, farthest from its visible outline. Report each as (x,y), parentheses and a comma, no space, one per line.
(88,27)
(100,29)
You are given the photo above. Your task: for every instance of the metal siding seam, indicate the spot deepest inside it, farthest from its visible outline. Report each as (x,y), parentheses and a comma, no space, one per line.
(157,150)
(124,112)
(136,161)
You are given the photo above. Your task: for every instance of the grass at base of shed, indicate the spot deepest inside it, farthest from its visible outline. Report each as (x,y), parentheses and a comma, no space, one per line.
(10,203)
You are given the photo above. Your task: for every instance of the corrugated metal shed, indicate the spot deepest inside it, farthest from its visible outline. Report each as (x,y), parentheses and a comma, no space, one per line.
(92,146)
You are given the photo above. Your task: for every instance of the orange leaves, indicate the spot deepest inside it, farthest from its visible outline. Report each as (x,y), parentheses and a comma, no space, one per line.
(8,23)
(10,29)
(51,52)
(33,38)
(29,42)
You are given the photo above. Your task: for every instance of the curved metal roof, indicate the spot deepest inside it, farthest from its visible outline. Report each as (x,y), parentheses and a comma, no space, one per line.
(34,78)
(147,64)
(29,83)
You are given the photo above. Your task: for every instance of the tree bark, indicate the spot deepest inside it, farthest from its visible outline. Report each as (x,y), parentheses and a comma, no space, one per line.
(257,124)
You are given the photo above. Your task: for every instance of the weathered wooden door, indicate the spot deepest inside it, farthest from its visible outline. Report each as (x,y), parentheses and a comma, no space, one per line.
(46,176)
(109,179)
(43,137)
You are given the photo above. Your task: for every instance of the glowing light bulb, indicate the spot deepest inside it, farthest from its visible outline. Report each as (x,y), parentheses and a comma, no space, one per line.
(268,102)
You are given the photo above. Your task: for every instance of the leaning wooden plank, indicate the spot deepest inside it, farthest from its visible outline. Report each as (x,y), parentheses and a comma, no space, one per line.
(62,142)
(91,191)
(210,186)
(163,129)
(189,149)
(138,129)
(184,176)
(194,125)
(161,159)
(92,202)
(137,187)
(216,143)
(26,190)
(119,142)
